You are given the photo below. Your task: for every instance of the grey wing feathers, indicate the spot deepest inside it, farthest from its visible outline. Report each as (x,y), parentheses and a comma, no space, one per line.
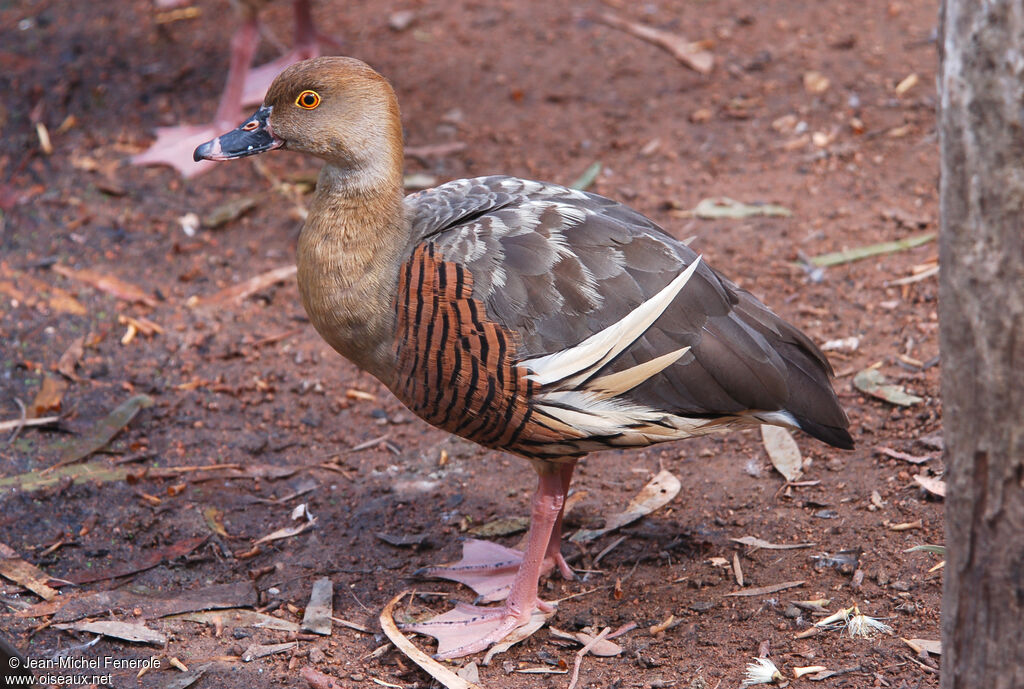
(555,265)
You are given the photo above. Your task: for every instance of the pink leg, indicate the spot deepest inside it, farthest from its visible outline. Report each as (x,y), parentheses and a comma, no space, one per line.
(174,145)
(490,569)
(468,628)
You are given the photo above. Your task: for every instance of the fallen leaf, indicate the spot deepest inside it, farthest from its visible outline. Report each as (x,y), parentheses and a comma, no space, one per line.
(755,542)
(319,610)
(908,82)
(105,282)
(99,471)
(871,381)
(300,512)
(858,253)
(70,358)
(692,54)
(104,431)
(24,573)
(783,451)
(656,494)
(939,550)
(433,668)
(49,397)
(419,180)
(402,541)
(603,648)
(537,620)
(501,527)
(137,633)
(214,519)
(723,207)
(932,485)
(933,647)
(189,678)
(765,590)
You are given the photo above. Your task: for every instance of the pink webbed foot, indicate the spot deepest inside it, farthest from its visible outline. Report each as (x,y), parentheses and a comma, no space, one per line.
(468,629)
(490,569)
(174,147)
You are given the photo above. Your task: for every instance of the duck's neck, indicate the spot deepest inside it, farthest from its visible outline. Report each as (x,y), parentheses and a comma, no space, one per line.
(349,253)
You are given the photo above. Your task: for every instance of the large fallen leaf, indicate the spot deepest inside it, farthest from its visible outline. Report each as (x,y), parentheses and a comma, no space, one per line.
(24,573)
(104,431)
(433,668)
(755,542)
(856,254)
(537,620)
(692,54)
(723,207)
(138,633)
(870,381)
(299,513)
(319,610)
(656,494)
(604,647)
(783,451)
(105,282)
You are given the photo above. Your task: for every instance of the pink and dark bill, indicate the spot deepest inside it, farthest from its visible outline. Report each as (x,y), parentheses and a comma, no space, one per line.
(252,137)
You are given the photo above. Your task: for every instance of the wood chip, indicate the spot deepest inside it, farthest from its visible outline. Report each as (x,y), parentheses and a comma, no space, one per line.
(933,647)
(433,668)
(137,633)
(765,590)
(319,610)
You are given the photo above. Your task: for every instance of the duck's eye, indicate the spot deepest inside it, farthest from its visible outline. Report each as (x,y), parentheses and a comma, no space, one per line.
(308,100)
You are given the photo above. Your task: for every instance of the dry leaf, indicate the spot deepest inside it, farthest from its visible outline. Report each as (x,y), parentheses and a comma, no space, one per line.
(765,590)
(104,431)
(656,494)
(604,647)
(501,527)
(934,486)
(783,451)
(24,573)
(872,382)
(244,289)
(816,82)
(48,398)
(932,646)
(723,207)
(262,650)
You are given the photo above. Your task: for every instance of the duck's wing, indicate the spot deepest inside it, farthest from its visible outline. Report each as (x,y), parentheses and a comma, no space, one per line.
(612,318)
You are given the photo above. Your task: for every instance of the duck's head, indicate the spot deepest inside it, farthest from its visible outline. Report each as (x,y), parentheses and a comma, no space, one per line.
(335,108)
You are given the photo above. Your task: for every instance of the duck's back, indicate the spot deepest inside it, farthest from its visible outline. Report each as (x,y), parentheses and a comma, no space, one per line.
(552,322)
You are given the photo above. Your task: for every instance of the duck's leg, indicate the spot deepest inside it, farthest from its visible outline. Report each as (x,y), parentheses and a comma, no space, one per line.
(305,46)
(174,145)
(489,568)
(470,628)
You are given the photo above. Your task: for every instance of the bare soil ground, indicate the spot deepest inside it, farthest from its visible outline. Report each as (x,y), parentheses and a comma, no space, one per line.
(534,89)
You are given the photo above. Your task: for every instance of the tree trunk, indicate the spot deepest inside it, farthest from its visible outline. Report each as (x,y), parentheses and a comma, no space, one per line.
(981,132)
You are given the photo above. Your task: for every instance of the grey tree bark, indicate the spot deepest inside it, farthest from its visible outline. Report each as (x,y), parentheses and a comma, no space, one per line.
(981,133)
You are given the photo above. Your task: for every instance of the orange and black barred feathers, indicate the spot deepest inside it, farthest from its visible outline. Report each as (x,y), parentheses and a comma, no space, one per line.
(457,369)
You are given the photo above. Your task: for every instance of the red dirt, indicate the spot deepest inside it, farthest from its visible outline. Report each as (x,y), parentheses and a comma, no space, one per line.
(536,90)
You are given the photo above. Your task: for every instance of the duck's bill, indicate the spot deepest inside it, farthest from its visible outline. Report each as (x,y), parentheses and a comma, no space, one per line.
(252,137)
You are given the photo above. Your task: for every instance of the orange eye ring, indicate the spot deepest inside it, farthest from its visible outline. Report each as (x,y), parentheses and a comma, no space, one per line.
(308,100)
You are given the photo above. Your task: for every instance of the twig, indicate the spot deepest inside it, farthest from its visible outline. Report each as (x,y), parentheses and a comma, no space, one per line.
(20,423)
(584,651)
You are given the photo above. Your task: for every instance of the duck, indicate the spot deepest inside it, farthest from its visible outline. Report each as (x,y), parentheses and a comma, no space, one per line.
(530,318)
(245,84)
